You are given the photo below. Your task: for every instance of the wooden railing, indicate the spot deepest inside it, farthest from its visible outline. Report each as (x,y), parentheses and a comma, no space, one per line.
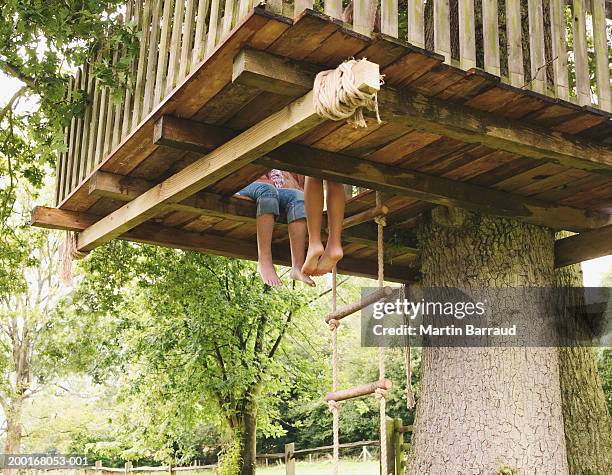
(525,42)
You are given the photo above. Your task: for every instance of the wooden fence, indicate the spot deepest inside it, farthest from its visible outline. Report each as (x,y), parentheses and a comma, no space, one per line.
(525,42)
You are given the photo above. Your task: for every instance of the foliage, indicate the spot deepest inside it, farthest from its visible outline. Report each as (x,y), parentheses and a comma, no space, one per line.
(604,364)
(41,42)
(193,336)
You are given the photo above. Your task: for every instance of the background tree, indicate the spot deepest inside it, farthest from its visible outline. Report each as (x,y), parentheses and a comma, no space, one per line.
(29,344)
(198,337)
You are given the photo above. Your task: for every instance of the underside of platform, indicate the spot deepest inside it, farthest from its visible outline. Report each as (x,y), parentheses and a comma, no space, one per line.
(447,137)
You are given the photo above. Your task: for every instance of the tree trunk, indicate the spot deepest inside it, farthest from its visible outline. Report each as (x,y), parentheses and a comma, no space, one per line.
(488,410)
(248,434)
(14,431)
(588,428)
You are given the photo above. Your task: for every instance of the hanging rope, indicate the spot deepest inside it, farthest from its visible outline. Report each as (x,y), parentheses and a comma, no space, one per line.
(381,394)
(333,405)
(407,356)
(68,253)
(337,97)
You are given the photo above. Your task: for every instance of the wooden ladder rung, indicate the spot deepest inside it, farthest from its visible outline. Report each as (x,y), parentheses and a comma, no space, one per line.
(363,303)
(358,391)
(367,215)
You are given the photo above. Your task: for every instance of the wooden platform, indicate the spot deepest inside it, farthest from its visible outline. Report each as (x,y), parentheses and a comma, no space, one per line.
(448,137)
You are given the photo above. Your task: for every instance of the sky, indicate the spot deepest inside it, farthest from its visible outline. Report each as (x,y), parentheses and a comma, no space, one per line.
(593,269)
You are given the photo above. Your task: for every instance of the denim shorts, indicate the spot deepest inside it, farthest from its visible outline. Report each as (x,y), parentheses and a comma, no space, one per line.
(270,200)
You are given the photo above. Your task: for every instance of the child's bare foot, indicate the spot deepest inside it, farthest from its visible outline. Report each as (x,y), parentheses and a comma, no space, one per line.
(312,258)
(328,260)
(297,274)
(268,274)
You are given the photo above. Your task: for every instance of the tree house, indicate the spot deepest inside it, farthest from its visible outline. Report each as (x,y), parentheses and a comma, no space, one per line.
(481,114)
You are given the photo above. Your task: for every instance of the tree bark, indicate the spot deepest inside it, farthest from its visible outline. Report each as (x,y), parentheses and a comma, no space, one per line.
(488,410)
(248,433)
(13,414)
(588,428)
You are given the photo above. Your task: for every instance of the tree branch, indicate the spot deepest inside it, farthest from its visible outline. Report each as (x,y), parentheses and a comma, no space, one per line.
(14,71)
(9,105)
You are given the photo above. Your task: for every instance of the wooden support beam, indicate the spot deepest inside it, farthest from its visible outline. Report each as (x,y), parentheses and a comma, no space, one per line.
(584,246)
(236,208)
(469,125)
(358,391)
(356,306)
(441,117)
(281,127)
(437,190)
(149,233)
(272,73)
(433,189)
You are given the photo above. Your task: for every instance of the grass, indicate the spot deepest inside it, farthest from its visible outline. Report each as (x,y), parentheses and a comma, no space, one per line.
(324,468)
(347,466)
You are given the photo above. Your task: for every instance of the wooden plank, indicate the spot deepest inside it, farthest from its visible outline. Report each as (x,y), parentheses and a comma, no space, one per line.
(300,5)
(364,15)
(175,49)
(442,43)
(78,165)
(581,64)
(333,8)
(161,75)
(272,73)
(388,18)
(213,21)
(101,131)
(429,188)
(559,49)
(71,155)
(53,218)
(153,54)
(141,62)
(186,65)
(228,18)
(602,57)
(416,24)
(199,47)
(62,164)
(515,44)
(467,35)
(536,46)
(134,15)
(288,123)
(462,123)
(93,126)
(584,246)
(490,31)
(117,118)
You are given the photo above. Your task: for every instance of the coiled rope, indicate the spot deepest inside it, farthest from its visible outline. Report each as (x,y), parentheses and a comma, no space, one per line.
(68,253)
(336,96)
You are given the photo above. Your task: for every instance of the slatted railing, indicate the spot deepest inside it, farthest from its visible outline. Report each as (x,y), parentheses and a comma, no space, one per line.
(523,41)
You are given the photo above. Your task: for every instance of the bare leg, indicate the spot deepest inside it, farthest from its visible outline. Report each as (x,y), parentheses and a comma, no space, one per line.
(265,266)
(313,199)
(297,241)
(335,216)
